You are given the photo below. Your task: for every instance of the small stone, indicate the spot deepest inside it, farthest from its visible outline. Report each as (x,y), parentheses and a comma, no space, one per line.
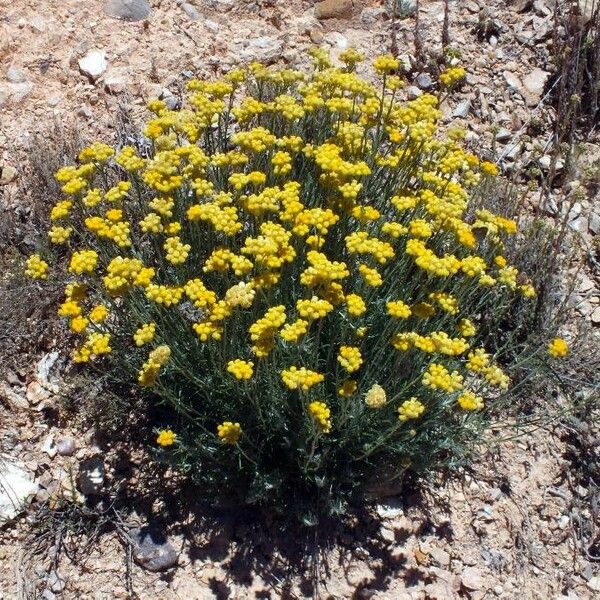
(533,86)
(20,91)
(402,8)
(90,478)
(462,110)
(152,550)
(580,225)
(116,80)
(390,510)
(498,590)
(424,81)
(594,223)
(8,174)
(544,162)
(36,393)
(266,49)
(333,9)
(595,316)
(16,75)
(594,583)
(370,16)
(441,557)
(503,135)
(66,446)
(128,10)
(16,490)
(93,64)
(512,80)
(191,11)
(54,100)
(471,578)
(563,522)
(48,595)
(315,36)
(413,92)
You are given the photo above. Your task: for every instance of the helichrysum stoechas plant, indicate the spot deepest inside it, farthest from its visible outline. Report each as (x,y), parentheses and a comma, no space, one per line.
(296,269)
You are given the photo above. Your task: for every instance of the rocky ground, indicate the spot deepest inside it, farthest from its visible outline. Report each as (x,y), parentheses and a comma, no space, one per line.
(524,525)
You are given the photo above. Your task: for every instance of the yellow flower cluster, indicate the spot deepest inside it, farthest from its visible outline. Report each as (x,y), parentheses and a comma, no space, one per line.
(302,378)
(144,334)
(321,414)
(376,397)
(229,433)
(350,358)
(36,267)
(241,369)
(151,368)
(166,438)
(410,409)
(558,348)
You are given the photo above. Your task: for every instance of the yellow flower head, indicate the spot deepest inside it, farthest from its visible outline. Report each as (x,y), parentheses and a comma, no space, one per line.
(376,397)
(229,433)
(166,438)
(321,414)
(558,348)
(241,369)
(410,409)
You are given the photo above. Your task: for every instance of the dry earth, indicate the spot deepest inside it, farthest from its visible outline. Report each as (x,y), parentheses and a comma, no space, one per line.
(521,526)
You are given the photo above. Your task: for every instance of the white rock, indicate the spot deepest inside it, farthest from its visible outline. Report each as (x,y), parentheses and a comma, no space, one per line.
(16,75)
(19,91)
(264,48)
(116,80)
(93,64)
(533,84)
(472,578)
(595,316)
(128,10)
(16,488)
(594,583)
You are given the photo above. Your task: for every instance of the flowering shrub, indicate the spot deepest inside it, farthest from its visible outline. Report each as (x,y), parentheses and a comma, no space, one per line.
(296,270)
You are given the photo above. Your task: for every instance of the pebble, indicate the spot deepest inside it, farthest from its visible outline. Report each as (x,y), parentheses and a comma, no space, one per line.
(264,48)
(16,75)
(402,8)
(595,316)
(191,11)
(116,80)
(8,174)
(472,579)
(128,10)
(333,9)
(413,92)
(533,86)
(441,557)
(93,64)
(65,446)
(16,490)
(462,110)
(424,81)
(503,134)
(594,583)
(90,478)
(152,550)
(563,522)
(20,91)
(370,16)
